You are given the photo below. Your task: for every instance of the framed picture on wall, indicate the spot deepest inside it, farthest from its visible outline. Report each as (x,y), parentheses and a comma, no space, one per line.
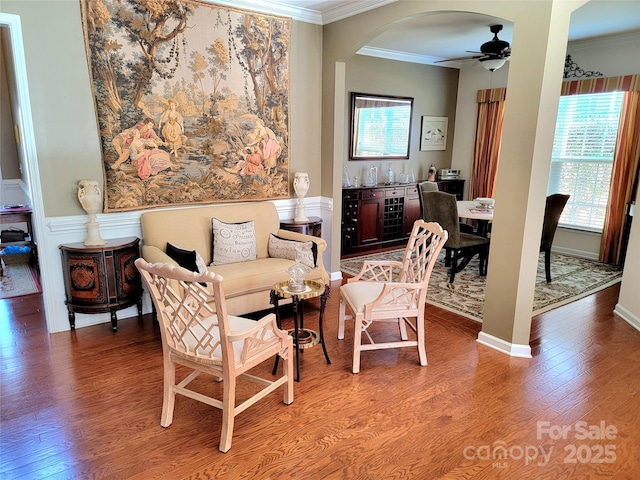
(433,135)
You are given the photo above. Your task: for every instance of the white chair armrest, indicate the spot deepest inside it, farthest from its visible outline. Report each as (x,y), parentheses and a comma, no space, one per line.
(267,322)
(396,296)
(377,271)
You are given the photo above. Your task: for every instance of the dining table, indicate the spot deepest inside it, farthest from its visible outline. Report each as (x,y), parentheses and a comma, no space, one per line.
(472,210)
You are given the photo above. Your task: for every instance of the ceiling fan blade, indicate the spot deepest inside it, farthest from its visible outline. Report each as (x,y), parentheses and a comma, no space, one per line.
(458,58)
(494,49)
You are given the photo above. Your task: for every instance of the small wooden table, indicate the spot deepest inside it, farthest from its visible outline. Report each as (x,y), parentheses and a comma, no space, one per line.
(18,214)
(102,278)
(313,226)
(302,337)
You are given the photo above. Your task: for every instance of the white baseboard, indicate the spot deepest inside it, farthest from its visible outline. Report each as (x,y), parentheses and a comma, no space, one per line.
(576,253)
(333,276)
(627,316)
(513,350)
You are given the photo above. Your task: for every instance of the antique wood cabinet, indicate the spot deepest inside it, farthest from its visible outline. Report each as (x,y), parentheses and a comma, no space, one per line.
(383,216)
(101,278)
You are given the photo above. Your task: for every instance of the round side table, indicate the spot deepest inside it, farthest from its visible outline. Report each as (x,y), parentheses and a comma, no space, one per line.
(313,226)
(302,337)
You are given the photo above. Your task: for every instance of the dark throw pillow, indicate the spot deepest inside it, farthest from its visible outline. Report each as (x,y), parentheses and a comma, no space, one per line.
(189,259)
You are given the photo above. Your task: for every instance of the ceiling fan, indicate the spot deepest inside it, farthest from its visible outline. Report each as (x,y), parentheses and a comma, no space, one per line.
(492,54)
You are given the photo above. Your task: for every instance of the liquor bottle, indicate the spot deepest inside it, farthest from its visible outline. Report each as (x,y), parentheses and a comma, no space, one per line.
(390,176)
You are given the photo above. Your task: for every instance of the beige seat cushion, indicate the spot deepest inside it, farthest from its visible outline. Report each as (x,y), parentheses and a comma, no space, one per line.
(255,276)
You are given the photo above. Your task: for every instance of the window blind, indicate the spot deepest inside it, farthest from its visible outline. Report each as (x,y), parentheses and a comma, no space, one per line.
(582,157)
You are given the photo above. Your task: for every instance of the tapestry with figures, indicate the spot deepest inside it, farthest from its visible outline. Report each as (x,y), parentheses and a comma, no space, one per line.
(192,101)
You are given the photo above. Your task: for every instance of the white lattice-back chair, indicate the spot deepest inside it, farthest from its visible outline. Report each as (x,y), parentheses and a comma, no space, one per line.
(374,296)
(210,341)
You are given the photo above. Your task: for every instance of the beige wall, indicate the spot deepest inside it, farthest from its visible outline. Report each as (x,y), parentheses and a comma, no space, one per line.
(63,108)
(534,82)
(434,91)
(9,161)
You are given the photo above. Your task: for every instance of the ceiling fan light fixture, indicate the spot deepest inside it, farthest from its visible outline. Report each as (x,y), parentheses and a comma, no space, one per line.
(492,64)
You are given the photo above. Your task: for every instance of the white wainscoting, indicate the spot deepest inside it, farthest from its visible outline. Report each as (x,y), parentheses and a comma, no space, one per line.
(62,230)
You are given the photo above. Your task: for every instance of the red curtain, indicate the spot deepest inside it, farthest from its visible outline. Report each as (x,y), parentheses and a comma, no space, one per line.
(624,179)
(486,150)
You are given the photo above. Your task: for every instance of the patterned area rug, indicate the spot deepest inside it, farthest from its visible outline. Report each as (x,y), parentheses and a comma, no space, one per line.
(18,280)
(573,278)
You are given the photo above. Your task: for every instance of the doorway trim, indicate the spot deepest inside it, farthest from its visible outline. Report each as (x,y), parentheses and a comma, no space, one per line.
(27,145)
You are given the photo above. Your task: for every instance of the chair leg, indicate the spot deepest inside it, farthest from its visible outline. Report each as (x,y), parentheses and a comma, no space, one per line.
(454,266)
(169,395)
(547,264)
(288,368)
(357,341)
(422,351)
(341,319)
(228,412)
(403,328)
(484,259)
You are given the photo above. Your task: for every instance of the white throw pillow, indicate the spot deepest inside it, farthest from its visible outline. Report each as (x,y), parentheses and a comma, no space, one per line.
(292,250)
(233,242)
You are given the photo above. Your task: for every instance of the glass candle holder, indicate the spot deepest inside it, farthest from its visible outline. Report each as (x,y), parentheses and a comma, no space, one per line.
(297,273)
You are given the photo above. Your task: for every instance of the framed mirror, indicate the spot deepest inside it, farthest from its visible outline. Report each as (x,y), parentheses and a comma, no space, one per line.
(380,127)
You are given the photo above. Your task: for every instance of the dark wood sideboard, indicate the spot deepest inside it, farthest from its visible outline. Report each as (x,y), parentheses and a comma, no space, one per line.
(382,216)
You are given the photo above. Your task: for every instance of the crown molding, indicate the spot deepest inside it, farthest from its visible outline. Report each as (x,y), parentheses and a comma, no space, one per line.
(307,15)
(274,8)
(607,41)
(348,9)
(407,57)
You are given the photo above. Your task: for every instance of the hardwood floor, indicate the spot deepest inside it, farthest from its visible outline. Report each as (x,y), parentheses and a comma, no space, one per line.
(86,404)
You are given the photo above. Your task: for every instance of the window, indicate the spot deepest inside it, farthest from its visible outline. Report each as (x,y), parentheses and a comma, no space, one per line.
(583,149)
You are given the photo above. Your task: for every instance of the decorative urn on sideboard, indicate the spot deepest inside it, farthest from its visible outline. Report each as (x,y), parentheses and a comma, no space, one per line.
(301,187)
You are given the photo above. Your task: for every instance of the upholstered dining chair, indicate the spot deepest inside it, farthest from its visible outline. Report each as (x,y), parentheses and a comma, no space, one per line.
(198,333)
(426,186)
(461,246)
(374,296)
(553,210)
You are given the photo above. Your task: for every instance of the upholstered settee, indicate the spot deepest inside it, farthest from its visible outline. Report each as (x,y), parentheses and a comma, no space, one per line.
(247,284)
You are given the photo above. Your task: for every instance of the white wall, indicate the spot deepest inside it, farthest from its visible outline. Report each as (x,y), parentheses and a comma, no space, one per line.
(614,56)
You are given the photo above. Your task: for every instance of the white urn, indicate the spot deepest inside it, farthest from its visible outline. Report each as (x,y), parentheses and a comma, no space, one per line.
(301,187)
(91,200)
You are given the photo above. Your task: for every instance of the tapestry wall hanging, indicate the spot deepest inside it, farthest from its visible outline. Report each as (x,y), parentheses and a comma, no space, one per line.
(192,101)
